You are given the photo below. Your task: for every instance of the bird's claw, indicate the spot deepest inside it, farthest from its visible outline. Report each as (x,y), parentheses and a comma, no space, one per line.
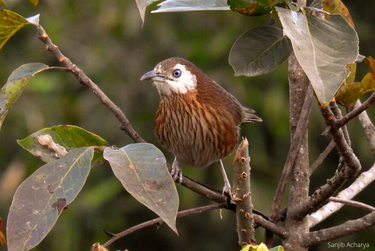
(176,171)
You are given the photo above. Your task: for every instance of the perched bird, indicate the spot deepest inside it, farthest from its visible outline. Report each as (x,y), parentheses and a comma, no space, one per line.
(197,120)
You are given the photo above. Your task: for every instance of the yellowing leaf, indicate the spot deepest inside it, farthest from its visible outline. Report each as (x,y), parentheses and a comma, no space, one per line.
(336,6)
(262,247)
(10,23)
(350,78)
(370,61)
(35,2)
(2,238)
(322,47)
(350,93)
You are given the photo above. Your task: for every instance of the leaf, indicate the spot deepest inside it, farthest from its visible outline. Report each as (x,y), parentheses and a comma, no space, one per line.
(336,6)
(15,85)
(262,247)
(316,4)
(191,5)
(259,51)
(322,47)
(2,238)
(34,19)
(51,143)
(278,248)
(267,3)
(10,23)
(249,7)
(370,61)
(350,93)
(142,170)
(142,4)
(41,198)
(35,2)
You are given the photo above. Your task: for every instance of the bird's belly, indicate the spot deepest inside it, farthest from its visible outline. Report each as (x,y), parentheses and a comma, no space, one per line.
(196,140)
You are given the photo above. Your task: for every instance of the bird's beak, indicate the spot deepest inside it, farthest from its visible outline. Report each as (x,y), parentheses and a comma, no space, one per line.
(153,75)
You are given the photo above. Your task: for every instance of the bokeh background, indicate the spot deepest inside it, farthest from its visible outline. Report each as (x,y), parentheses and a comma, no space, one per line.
(107,40)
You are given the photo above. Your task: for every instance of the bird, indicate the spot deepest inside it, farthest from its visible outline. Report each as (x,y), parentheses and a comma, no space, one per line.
(197,120)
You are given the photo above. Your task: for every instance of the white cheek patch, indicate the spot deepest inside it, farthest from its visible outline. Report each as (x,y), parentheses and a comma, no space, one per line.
(187,81)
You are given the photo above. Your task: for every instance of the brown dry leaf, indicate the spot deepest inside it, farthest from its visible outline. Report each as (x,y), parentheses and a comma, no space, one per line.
(336,6)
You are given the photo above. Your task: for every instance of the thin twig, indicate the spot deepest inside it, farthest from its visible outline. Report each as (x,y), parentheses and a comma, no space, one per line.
(363,180)
(86,81)
(125,124)
(322,157)
(158,221)
(349,166)
(296,142)
(368,127)
(352,203)
(347,228)
(270,226)
(356,111)
(298,135)
(298,123)
(338,115)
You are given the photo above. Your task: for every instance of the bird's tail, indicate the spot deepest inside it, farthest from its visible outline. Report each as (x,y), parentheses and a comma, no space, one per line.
(250,117)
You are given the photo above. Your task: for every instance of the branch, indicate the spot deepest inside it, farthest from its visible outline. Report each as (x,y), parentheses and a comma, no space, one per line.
(352,203)
(298,122)
(270,226)
(242,196)
(368,127)
(125,124)
(86,81)
(349,166)
(359,109)
(363,180)
(347,228)
(189,183)
(322,156)
(296,142)
(159,221)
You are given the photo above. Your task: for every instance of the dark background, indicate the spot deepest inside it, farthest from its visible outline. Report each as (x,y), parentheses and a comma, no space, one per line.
(106,39)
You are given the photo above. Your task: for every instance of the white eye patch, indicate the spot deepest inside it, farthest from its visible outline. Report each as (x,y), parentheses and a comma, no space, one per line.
(178,84)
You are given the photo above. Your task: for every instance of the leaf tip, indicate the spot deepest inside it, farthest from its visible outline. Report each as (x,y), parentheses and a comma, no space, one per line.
(34,19)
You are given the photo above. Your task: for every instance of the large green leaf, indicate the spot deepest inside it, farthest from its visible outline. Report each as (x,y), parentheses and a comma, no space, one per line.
(54,142)
(322,47)
(10,23)
(41,198)
(191,5)
(259,51)
(15,85)
(142,170)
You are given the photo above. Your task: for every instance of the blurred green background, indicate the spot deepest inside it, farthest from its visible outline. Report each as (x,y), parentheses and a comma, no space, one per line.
(106,39)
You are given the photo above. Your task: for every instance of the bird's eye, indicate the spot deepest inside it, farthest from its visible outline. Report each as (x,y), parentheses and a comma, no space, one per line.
(176,73)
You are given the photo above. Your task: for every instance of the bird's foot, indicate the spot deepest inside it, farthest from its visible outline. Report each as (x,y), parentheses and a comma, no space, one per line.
(176,171)
(227,189)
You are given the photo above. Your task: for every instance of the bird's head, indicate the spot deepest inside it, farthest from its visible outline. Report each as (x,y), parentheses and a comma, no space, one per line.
(173,75)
